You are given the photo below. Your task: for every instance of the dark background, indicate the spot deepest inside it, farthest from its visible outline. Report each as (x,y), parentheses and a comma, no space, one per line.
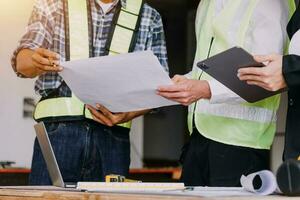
(166,131)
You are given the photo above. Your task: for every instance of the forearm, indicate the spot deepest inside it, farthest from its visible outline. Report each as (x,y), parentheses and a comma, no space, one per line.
(221,94)
(25,64)
(136,114)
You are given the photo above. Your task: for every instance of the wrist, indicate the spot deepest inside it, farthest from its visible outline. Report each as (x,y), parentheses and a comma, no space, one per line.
(139,113)
(135,114)
(24,64)
(206,92)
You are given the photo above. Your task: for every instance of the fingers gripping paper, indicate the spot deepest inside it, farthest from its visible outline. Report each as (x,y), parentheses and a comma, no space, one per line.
(121,83)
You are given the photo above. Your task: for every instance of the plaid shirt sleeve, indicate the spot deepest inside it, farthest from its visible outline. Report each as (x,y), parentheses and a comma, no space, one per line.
(158,41)
(38,31)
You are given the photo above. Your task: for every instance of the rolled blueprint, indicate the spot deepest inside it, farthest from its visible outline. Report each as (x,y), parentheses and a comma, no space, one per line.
(268,183)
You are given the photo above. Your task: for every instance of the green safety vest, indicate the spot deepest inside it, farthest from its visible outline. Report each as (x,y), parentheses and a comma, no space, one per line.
(245,124)
(78,45)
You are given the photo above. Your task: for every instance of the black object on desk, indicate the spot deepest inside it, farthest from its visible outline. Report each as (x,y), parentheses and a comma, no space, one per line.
(224,68)
(6,164)
(288,178)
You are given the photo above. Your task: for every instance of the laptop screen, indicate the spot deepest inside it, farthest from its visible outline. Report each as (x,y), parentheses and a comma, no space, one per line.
(48,155)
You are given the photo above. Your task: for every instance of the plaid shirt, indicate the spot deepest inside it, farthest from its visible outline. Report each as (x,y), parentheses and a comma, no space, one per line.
(46,30)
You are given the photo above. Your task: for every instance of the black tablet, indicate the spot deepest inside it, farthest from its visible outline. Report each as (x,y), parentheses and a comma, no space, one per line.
(224,68)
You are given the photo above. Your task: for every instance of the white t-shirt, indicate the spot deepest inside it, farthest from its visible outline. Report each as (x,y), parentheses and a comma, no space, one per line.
(105,6)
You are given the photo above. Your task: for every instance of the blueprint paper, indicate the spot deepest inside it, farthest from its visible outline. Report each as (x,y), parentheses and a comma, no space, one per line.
(122,83)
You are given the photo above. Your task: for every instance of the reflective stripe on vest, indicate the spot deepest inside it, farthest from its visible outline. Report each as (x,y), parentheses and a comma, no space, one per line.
(79,39)
(78,29)
(64,107)
(250,113)
(248,125)
(127,24)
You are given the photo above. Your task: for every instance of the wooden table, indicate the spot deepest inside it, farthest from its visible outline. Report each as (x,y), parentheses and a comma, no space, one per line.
(18,176)
(11,194)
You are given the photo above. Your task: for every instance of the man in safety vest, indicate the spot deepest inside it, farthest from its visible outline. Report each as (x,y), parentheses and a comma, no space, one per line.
(229,137)
(283,72)
(89,143)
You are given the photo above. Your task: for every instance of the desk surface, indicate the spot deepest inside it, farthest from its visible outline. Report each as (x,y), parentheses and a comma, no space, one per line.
(11,194)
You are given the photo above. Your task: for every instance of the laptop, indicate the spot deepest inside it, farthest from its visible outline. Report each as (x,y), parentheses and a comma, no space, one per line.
(116,187)
(50,158)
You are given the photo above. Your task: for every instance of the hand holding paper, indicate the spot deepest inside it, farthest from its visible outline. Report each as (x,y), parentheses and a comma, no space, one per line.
(185,91)
(122,83)
(105,117)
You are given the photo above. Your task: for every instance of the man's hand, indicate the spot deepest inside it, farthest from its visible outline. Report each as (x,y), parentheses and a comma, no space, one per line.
(105,117)
(269,77)
(32,63)
(185,91)
(46,61)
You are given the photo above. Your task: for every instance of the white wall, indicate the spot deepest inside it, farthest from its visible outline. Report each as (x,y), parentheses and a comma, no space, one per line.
(16,133)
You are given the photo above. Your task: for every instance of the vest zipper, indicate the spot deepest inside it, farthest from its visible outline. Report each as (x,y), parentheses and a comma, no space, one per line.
(210,46)
(208,55)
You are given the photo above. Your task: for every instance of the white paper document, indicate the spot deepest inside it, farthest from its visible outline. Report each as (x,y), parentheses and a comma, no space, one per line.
(211,192)
(169,189)
(268,183)
(121,83)
(129,187)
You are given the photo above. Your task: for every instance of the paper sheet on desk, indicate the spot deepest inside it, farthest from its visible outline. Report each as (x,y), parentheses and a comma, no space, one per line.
(171,189)
(121,83)
(211,192)
(162,190)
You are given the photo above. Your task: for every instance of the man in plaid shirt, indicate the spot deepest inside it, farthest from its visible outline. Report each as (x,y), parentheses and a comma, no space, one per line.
(86,150)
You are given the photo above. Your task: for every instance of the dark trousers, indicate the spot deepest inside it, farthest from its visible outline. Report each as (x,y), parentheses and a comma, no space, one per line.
(209,163)
(85,151)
